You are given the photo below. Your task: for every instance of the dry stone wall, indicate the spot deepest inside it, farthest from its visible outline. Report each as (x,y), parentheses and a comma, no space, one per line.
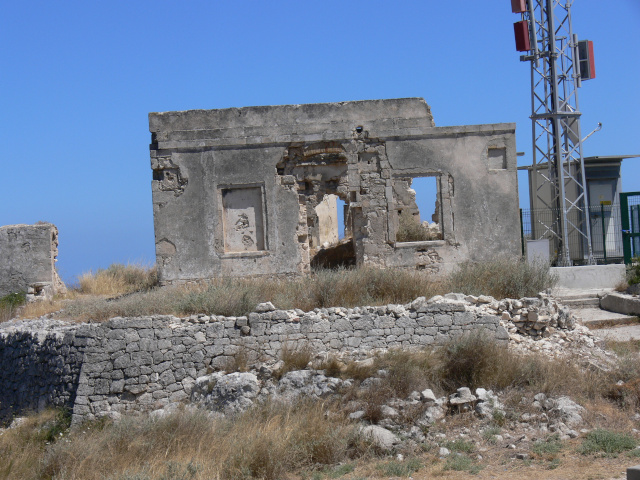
(40,365)
(133,364)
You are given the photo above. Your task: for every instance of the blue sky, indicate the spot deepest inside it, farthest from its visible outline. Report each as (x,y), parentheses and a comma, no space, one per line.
(78,78)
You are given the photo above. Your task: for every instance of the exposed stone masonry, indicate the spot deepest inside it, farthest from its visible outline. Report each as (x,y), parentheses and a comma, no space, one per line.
(129,364)
(27,260)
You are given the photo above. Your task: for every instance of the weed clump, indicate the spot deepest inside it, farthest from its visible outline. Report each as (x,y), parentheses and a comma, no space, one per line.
(606,442)
(294,359)
(547,449)
(267,442)
(118,279)
(10,303)
(395,468)
(501,278)
(476,361)
(411,230)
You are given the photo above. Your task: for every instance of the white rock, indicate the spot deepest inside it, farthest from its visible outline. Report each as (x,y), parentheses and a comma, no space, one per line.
(265,307)
(388,411)
(427,395)
(380,437)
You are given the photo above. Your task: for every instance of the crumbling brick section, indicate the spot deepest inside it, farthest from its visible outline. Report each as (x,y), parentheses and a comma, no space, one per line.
(27,260)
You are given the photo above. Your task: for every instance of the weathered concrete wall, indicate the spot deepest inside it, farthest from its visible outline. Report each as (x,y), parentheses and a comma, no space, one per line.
(27,259)
(590,276)
(289,157)
(144,363)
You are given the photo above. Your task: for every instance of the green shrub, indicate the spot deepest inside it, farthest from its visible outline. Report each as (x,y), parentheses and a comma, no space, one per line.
(607,442)
(340,470)
(461,463)
(460,445)
(633,271)
(547,448)
(399,469)
(490,433)
(10,303)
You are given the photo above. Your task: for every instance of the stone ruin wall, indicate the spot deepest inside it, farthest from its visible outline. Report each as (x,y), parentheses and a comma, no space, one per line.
(240,191)
(27,260)
(138,364)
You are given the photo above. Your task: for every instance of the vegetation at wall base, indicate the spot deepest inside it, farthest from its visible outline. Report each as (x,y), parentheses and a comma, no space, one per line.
(10,303)
(501,278)
(118,279)
(130,290)
(317,439)
(633,271)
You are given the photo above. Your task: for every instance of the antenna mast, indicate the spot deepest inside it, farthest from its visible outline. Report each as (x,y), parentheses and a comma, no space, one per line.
(558,176)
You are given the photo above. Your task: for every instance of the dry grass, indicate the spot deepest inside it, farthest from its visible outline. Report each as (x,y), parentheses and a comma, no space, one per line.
(283,441)
(22,448)
(501,278)
(131,290)
(294,359)
(236,296)
(411,230)
(332,366)
(118,279)
(409,371)
(266,442)
(476,361)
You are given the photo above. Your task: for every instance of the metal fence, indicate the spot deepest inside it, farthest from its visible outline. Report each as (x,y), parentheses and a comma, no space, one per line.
(606,233)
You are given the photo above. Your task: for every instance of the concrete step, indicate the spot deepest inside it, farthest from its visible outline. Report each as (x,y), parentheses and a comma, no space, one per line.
(563,294)
(595,318)
(581,302)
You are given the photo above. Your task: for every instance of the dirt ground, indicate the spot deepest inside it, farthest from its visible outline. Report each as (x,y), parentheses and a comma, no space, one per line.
(499,463)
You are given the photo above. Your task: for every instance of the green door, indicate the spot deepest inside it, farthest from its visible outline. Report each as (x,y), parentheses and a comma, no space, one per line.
(630,213)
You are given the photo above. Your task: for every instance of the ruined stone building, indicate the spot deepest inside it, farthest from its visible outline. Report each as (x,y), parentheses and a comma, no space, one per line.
(27,260)
(255,190)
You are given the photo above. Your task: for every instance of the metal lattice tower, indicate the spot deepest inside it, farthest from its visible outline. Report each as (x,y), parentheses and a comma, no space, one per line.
(558,176)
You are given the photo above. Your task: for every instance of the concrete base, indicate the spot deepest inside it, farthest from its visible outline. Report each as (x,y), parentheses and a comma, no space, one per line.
(621,303)
(591,276)
(633,473)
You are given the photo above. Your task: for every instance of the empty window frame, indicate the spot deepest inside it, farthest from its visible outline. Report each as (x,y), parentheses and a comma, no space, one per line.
(418,207)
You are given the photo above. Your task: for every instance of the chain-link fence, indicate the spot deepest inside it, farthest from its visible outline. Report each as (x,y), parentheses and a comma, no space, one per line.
(606,233)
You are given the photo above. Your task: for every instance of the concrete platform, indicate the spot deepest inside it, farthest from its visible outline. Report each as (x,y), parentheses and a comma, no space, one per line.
(595,318)
(574,293)
(619,334)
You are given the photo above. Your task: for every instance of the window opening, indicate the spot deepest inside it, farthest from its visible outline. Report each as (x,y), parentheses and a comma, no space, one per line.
(335,247)
(419,211)
(342,210)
